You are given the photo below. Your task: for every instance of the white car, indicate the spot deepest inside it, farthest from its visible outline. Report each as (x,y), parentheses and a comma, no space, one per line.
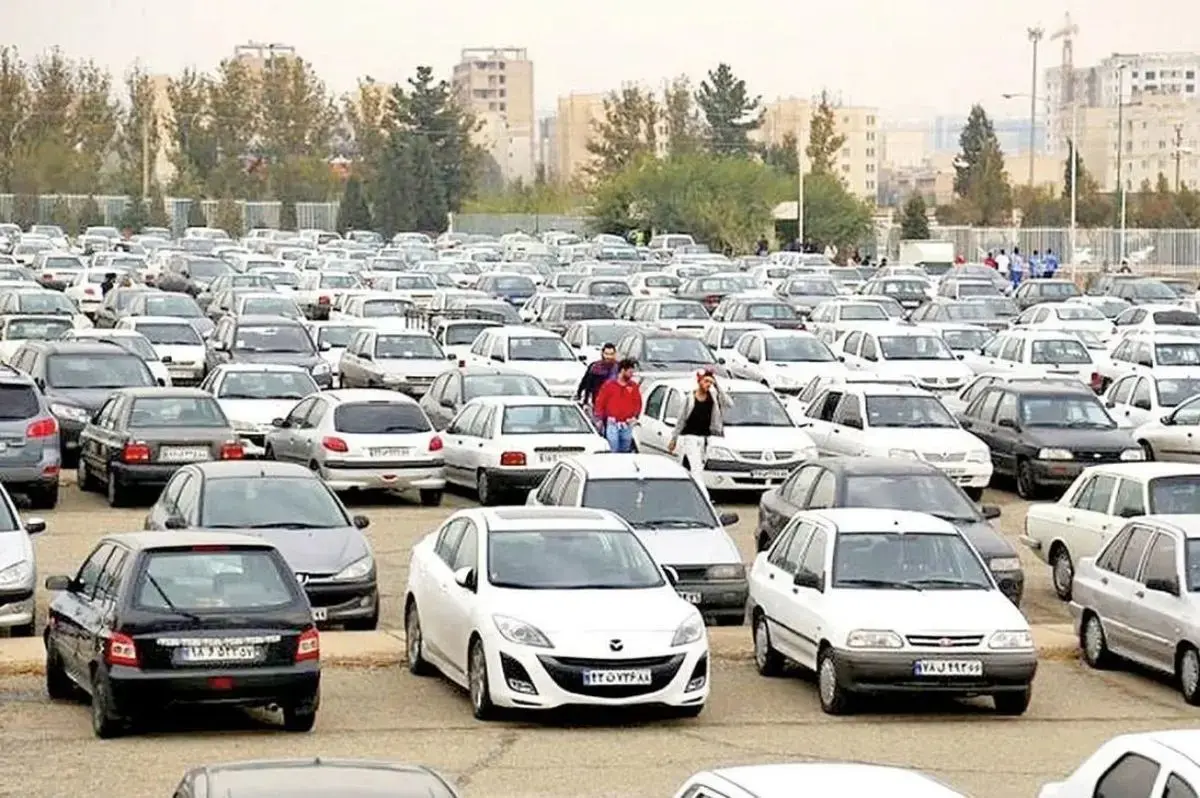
(1142,398)
(1053,353)
(895,421)
(760,445)
(131,341)
(783,360)
(85,291)
(318,291)
(285,279)
(1065,316)
(673,315)
(537,608)
(18,568)
(253,395)
(42,302)
(532,309)
(589,337)
(332,337)
(400,360)
(16,329)
(179,346)
(722,336)
(541,353)
(905,352)
(380,310)
(1156,318)
(413,287)
(1157,763)
(455,336)
(798,405)
(654,284)
(819,779)
(499,446)
(867,599)
(1165,354)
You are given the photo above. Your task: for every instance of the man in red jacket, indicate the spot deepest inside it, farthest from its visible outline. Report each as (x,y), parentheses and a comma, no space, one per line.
(618,403)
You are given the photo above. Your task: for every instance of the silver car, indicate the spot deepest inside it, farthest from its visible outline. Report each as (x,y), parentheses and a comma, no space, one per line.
(405,360)
(363,440)
(18,569)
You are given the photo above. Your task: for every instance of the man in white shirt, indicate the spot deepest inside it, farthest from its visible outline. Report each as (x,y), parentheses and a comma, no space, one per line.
(1002,264)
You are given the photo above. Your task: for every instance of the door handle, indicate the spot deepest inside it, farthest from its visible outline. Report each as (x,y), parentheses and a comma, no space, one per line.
(770,576)
(1104,580)
(1067,519)
(1140,594)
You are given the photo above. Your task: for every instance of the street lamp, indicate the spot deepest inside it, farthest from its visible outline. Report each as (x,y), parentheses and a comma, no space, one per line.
(1035,36)
(1121,151)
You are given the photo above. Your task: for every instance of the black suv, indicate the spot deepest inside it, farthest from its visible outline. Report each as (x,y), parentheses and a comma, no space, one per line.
(29,450)
(158,619)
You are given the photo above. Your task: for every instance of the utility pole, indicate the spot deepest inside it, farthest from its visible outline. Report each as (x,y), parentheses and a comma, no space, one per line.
(145,156)
(1178,152)
(800,154)
(1074,179)
(1035,36)
(1121,151)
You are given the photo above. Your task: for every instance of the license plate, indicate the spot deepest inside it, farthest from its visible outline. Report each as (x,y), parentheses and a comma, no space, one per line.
(392,451)
(948,667)
(694,598)
(551,457)
(616,678)
(182,454)
(320,614)
(219,653)
(775,474)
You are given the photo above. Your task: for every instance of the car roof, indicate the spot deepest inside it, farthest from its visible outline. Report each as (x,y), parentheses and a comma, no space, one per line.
(368,395)
(517,401)
(262,320)
(275,367)
(772,332)
(905,331)
(136,320)
(1146,470)
(104,332)
(230,469)
(877,466)
(851,520)
(1035,389)
(78,347)
(264,777)
(177,538)
(501,519)
(154,392)
(608,465)
(845,778)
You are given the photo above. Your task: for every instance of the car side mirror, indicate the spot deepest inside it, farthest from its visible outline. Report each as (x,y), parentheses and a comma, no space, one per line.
(35,525)
(672,575)
(498,358)
(1141,404)
(41,383)
(1110,404)
(279,423)
(671,421)
(465,578)
(1130,512)
(1167,420)
(1163,585)
(853,423)
(729,519)
(990,511)
(959,356)
(1007,422)
(324,346)
(366,356)
(451,356)
(220,346)
(808,579)
(59,583)
(361,522)
(175,522)
(162,383)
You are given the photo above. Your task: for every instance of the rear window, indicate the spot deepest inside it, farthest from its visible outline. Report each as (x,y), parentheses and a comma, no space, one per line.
(379,418)
(578,312)
(545,420)
(17,401)
(37,329)
(502,385)
(165,334)
(176,411)
(214,580)
(1182,318)
(97,371)
(172,305)
(609,289)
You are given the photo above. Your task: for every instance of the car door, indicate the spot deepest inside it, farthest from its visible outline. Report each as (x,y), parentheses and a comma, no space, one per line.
(818,418)
(649,430)
(1178,440)
(1118,399)
(286,440)
(850,347)
(102,606)
(739,364)
(71,616)
(1005,434)
(456,439)
(775,595)
(1087,525)
(868,353)
(92,438)
(458,608)
(847,435)
(1156,616)
(979,418)
(436,629)
(775,511)
(475,438)
(806,605)
(167,504)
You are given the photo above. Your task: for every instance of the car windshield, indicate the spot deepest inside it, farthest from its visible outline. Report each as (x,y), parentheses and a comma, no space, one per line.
(407,347)
(518,283)
(500,312)
(281,277)
(36,329)
(382,308)
(969,311)
(1059,351)
(1175,495)
(769,311)
(966,340)
(269,502)
(460,334)
(677,350)
(207,579)
(935,494)
(172,305)
(731,335)
(660,281)
(47,302)
(583,311)
(903,287)
(1171,392)
(379,418)
(914,347)
(811,288)
(285,338)
(477,385)
(798,349)
(134,344)
(911,560)
(599,334)
(1078,312)
(168,334)
(249,281)
(682,310)
(97,371)
(647,503)
(755,409)
(1178,354)
(207,268)
(890,307)
(413,282)
(609,288)
(545,420)
(1062,410)
(338,281)
(863,312)
(908,411)
(266,385)
(336,337)
(561,559)
(1176,318)
(539,348)
(999,306)
(1150,290)
(176,411)
(270,306)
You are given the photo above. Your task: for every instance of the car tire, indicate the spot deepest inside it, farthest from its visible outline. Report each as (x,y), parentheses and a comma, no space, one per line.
(1012,703)
(87,482)
(767,660)
(118,494)
(483,489)
(1147,451)
(59,686)
(106,723)
(835,700)
(1187,671)
(431,497)
(300,718)
(1062,572)
(1026,488)
(478,685)
(43,497)
(414,643)
(974,494)
(1094,642)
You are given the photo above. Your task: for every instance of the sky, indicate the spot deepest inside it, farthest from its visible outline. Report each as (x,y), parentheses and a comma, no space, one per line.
(910,58)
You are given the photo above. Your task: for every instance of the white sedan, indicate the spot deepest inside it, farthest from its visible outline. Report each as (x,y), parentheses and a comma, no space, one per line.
(537,608)
(784,360)
(252,395)
(1151,763)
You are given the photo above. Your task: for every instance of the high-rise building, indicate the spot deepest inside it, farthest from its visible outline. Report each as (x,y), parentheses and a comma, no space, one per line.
(573,128)
(496,85)
(1158,135)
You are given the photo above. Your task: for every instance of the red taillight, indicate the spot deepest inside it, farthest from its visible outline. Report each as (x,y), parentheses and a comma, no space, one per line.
(435,444)
(121,650)
(210,548)
(335,444)
(1097,381)
(462,364)
(232,451)
(42,428)
(323,300)
(90,291)
(308,647)
(47,276)
(135,453)
(512,459)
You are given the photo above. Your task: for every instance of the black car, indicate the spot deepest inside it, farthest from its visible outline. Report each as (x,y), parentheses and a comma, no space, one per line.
(891,485)
(294,778)
(660,353)
(909,292)
(454,388)
(1035,292)
(772,312)
(157,619)
(266,339)
(560,315)
(1043,436)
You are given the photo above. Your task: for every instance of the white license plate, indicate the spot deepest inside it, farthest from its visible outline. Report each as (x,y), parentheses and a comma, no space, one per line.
(219,653)
(775,474)
(320,614)
(182,454)
(694,598)
(948,667)
(616,678)
(550,457)
(392,451)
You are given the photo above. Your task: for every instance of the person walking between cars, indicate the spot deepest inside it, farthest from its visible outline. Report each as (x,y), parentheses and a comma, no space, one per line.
(598,373)
(617,406)
(110,281)
(701,418)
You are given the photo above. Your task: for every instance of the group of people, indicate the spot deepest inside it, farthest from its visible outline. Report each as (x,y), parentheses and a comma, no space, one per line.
(1016,267)
(611,390)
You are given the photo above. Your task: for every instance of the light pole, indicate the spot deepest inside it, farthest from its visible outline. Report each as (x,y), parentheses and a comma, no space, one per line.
(1121,152)
(801,148)
(1074,178)
(1179,152)
(1035,36)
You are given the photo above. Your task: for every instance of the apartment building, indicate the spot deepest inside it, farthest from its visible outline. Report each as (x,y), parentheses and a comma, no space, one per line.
(496,84)
(1159,135)
(573,129)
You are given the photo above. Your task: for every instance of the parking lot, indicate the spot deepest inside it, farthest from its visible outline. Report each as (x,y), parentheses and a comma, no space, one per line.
(387,713)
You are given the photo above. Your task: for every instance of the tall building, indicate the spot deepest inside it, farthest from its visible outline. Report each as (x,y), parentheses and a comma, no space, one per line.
(496,85)
(547,144)
(573,129)
(255,55)
(1158,135)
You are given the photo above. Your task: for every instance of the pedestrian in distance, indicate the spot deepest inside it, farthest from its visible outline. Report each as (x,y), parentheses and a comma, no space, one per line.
(1050,263)
(597,373)
(617,406)
(1036,265)
(702,417)
(110,280)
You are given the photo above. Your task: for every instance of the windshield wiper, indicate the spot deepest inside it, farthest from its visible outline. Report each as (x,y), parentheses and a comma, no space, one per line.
(880,583)
(284,525)
(675,523)
(191,616)
(947,582)
(951,518)
(401,428)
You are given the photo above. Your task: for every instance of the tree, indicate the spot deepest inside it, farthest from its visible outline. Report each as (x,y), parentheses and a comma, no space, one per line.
(194,150)
(625,134)
(297,122)
(25,210)
(395,210)
(61,215)
(784,157)
(89,214)
(1040,207)
(980,180)
(235,96)
(1092,209)
(832,215)
(287,214)
(824,141)
(196,217)
(136,215)
(366,115)
(429,198)
(137,133)
(353,213)
(685,129)
(158,216)
(93,125)
(729,111)
(49,165)
(914,219)
(14,109)
(229,217)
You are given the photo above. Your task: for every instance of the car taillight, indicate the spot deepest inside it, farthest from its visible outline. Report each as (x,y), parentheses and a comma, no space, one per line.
(42,428)
(1097,381)
(90,291)
(323,300)
(335,444)
(435,444)
(121,650)
(47,276)
(512,459)
(712,300)
(232,450)
(308,647)
(135,453)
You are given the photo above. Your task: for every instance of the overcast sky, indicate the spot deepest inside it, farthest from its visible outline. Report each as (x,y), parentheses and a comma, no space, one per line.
(908,57)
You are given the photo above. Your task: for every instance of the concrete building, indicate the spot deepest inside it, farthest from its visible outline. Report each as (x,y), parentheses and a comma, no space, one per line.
(905,148)
(1161,135)
(933,179)
(496,84)
(573,125)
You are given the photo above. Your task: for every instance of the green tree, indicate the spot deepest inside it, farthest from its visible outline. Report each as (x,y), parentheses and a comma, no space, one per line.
(15,99)
(832,215)
(1092,209)
(138,132)
(89,214)
(353,213)
(196,216)
(136,215)
(824,141)
(235,102)
(980,180)
(684,127)
(914,219)
(287,214)
(93,126)
(367,117)
(1040,207)
(429,199)
(298,120)
(194,150)
(626,133)
(25,210)
(61,215)
(784,157)
(49,164)
(229,217)
(158,216)
(1187,200)
(730,113)
(395,209)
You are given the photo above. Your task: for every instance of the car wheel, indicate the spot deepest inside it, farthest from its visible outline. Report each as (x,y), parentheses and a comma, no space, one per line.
(1147,450)
(1026,487)
(59,686)
(477,680)
(300,717)
(1013,703)
(1188,672)
(974,494)
(43,497)
(1062,572)
(414,643)
(83,475)
(431,498)
(106,723)
(835,700)
(117,493)
(767,660)
(483,489)
(1094,643)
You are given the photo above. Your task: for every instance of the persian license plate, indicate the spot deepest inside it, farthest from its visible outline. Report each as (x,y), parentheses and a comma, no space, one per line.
(182,454)
(772,474)
(391,451)
(616,678)
(550,457)
(320,614)
(948,667)
(219,653)
(694,598)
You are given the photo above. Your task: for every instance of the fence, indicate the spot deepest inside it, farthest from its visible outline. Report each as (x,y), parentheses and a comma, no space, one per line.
(499,223)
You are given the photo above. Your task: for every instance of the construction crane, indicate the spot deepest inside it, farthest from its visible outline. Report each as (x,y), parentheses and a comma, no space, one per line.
(1067,33)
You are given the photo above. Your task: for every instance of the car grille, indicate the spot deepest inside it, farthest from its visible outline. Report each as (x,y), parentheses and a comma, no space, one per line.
(943,457)
(944,641)
(691,573)
(1091,458)
(777,455)
(567,673)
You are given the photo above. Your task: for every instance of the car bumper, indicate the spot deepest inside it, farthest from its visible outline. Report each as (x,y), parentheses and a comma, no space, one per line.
(186,375)
(516,479)
(894,672)
(1055,473)
(413,388)
(338,602)
(967,475)
(136,690)
(68,433)
(324,380)
(717,601)
(383,476)
(1035,546)
(1012,584)
(38,475)
(143,475)
(531,678)
(736,475)
(16,607)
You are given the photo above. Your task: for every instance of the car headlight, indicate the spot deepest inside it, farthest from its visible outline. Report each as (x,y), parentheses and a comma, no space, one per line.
(17,575)
(718,453)
(321,368)
(907,454)
(1055,454)
(70,412)
(1133,454)
(1004,564)
(357,569)
(1011,639)
(809,453)
(981,456)
(736,571)
(521,633)
(873,638)
(244,427)
(689,631)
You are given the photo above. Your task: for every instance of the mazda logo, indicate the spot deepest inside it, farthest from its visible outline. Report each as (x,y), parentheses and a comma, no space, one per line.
(616,645)
(302,578)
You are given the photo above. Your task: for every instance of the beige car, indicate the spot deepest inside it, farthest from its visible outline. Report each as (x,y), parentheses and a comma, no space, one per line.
(1174,437)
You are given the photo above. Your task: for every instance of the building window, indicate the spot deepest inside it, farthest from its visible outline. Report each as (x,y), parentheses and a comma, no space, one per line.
(1132,74)
(845,167)
(870,152)
(502,65)
(1190,89)
(480,94)
(1149,75)
(870,185)
(845,120)
(502,79)
(846,152)
(870,121)
(491,106)
(870,167)
(503,92)
(491,80)
(503,106)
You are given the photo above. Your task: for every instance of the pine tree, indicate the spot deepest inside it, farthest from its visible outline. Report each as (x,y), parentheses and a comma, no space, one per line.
(914,221)
(430,193)
(229,217)
(980,180)
(729,111)
(196,216)
(824,141)
(353,213)
(287,214)
(136,215)
(89,214)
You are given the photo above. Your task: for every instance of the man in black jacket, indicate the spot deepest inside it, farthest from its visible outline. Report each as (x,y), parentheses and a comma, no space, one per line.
(598,373)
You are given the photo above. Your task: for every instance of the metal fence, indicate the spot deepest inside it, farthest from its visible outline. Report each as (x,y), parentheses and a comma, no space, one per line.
(499,223)
(1095,246)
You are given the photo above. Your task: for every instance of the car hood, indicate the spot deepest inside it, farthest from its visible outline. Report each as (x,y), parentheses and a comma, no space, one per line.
(413,367)
(202,324)
(314,551)
(306,359)
(87,398)
(773,439)
(181,353)
(15,547)
(802,372)
(939,610)
(924,369)
(1099,439)
(986,539)
(610,614)
(689,546)
(259,412)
